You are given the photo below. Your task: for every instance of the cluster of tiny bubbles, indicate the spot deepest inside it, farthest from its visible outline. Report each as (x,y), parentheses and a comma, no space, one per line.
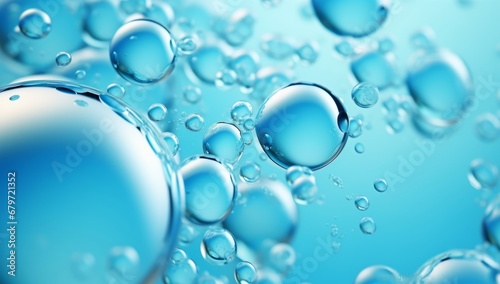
(63,59)
(356,18)
(195,122)
(101,21)
(236,29)
(206,62)
(375,67)
(34,23)
(277,46)
(365,95)
(487,127)
(245,64)
(281,257)
(337,181)
(210,189)
(491,223)
(225,78)
(386,45)
(192,94)
(302,184)
(218,247)
(362,203)
(187,44)
(463,266)
(157,112)
(483,174)
(241,111)
(86,131)
(302,124)
(115,90)
(441,86)
(172,142)
(380,185)
(181,269)
(265,212)
(123,264)
(224,141)
(80,74)
(367,226)
(397,110)
(268,80)
(143,51)
(359,148)
(423,39)
(308,52)
(355,127)
(250,171)
(344,48)
(245,273)
(135,6)
(378,274)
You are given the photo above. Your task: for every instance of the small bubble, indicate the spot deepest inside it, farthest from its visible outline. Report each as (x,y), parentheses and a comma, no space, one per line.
(380,185)
(14,98)
(124,262)
(247,137)
(365,95)
(241,111)
(63,59)
(359,148)
(80,74)
(250,172)
(277,47)
(172,142)
(344,48)
(488,127)
(483,174)
(115,90)
(249,124)
(245,273)
(35,24)
(224,141)
(367,226)
(195,122)
(81,103)
(282,257)
(337,181)
(225,78)
(178,256)
(308,52)
(192,94)
(157,112)
(187,45)
(423,39)
(270,3)
(355,127)
(218,247)
(362,203)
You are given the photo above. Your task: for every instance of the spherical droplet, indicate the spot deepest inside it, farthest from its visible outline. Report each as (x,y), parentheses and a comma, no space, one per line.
(362,203)
(365,95)
(282,257)
(218,247)
(123,263)
(245,273)
(195,122)
(224,141)
(157,112)
(374,67)
(483,174)
(172,142)
(491,223)
(187,45)
(241,111)
(206,62)
(367,226)
(115,90)
(81,103)
(250,172)
(143,52)
(225,78)
(302,124)
(378,274)
(63,59)
(355,127)
(210,189)
(488,127)
(356,18)
(14,98)
(359,148)
(180,271)
(192,94)
(35,24)
(380,185)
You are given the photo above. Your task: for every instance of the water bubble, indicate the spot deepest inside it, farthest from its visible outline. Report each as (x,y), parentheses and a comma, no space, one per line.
(225,78)
(308,52)
(355,127)
(172,142)
(337,181)
(365,95)
(187,233)
(206,62)
(115,90)
(63,59)
(460,267)
(245,273)
(181,270)
(441,86)
(101,22)
(35,24)
(210,189)
(81,103)
(195,122)
(302,124)
(187,45)
(250,172)
(157,112)
(270,3)
(367,226)
(14,98)
(293,173)
(266,212)
(192,94)
(356,18)
(380,185)
(143,52)
(224,141)
(134,6)
(302,184)
(423,39)
(241,111)
(268,80)
(80,74)
(249,124)
(237,29)
(218,247)
(82,265)
(386,45)
(374,67)
(483,174)
(359,148)
(123,263)
(282,257)
(162,13)
(277,46)
(362,203)
(378,274)
(178,256)
(491,222)
(488,127)
(247,137)
(344,48)
(246,65)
